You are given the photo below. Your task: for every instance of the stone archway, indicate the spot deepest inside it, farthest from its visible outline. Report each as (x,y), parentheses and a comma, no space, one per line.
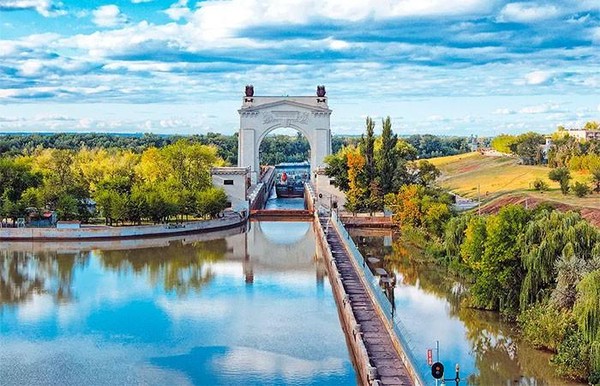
(260,115)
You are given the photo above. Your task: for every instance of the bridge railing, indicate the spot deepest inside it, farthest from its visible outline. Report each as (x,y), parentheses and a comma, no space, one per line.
(398,327)
(309,197)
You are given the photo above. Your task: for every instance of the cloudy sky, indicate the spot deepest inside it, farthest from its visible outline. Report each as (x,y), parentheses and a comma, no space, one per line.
(167,66)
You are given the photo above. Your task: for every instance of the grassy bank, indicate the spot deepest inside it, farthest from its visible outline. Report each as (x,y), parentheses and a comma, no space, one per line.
(499,176)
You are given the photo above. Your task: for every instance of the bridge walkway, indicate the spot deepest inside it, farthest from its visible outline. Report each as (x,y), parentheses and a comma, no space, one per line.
(380,348)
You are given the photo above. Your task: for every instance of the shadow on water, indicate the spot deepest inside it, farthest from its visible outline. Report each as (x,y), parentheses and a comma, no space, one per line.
(428,303)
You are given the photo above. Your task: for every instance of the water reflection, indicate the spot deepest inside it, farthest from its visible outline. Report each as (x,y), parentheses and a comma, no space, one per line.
(428,302)
(248,308)
(24,273)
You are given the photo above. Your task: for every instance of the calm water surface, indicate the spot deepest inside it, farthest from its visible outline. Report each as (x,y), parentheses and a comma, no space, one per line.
(250,308)
(428,304)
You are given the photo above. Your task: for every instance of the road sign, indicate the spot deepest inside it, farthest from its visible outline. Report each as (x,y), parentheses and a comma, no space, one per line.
(429,357)
(437,370)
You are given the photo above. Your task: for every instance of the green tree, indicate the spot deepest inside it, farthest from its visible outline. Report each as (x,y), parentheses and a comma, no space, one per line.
(562,176)
(367,148)
(528,147)
(595,172)
(503,142)
(388,157)
(497,286)
(211,202)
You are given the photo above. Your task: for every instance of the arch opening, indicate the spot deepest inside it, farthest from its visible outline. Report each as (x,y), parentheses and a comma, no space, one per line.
(284,145)
(289,151)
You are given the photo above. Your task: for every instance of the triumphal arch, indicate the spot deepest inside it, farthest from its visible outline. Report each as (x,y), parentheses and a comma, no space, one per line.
(260,115)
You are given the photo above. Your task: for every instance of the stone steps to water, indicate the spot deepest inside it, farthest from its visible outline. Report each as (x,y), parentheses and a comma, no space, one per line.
(380,349)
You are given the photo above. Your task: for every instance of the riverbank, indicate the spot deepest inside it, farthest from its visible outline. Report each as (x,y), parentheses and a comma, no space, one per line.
(99,232)
(428,297)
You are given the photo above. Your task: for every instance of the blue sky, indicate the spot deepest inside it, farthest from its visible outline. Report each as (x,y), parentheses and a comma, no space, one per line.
(435,66)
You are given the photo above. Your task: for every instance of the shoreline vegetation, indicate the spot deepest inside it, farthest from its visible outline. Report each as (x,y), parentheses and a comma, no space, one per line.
(537,266)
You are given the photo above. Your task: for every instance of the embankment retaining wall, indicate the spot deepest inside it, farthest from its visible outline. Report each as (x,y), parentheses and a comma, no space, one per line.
(106,232)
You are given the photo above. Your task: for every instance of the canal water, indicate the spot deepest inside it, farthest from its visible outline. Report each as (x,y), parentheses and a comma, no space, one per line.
(251,307)
(427,302)
(284,203)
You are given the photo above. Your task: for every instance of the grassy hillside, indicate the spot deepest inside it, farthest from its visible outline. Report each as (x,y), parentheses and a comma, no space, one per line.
(498,176)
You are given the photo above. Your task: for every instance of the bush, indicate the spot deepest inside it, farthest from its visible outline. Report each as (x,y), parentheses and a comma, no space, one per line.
(573,358)
(540,185)
(580,189)
(544,326)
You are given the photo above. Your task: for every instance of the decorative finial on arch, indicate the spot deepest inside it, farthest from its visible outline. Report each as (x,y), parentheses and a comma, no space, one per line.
(321,91)
(249,90)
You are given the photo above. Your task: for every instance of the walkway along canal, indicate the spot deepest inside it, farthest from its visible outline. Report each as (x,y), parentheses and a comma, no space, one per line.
(379,356)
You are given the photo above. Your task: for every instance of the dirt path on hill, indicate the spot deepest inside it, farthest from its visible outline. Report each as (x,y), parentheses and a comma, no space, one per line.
(590,214)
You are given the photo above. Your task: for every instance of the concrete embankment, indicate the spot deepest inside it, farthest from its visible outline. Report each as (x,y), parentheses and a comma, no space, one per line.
(230,220)
(375,355)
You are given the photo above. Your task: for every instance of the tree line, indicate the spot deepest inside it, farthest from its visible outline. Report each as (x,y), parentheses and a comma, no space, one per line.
(120,185)
(274,148)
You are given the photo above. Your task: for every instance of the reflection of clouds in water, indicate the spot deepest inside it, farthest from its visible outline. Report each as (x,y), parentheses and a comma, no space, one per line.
(38,308)
(245,360)
(195,309)
(283,232)
(427,319)
(81,360)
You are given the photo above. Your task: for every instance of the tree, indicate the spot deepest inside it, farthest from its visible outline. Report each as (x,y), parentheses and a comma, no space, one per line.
(355,197)
(595,172)
(367,148)
(562,176)
(503,142)
(528,147)
(388,157)
(498,281)
(211,202)
(337,168)
(427,173)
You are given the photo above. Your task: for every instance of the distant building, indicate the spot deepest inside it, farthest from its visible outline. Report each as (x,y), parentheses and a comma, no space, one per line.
(585,135)
(546,146)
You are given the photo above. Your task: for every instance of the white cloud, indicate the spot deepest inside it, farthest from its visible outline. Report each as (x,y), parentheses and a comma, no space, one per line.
(43,7)
(219,19)
(337,45)
(540,109)
(141,1)
(31,67)
(595,32)
(108,16)
(179,10)
(503,111)
(527,12)
(538,77)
